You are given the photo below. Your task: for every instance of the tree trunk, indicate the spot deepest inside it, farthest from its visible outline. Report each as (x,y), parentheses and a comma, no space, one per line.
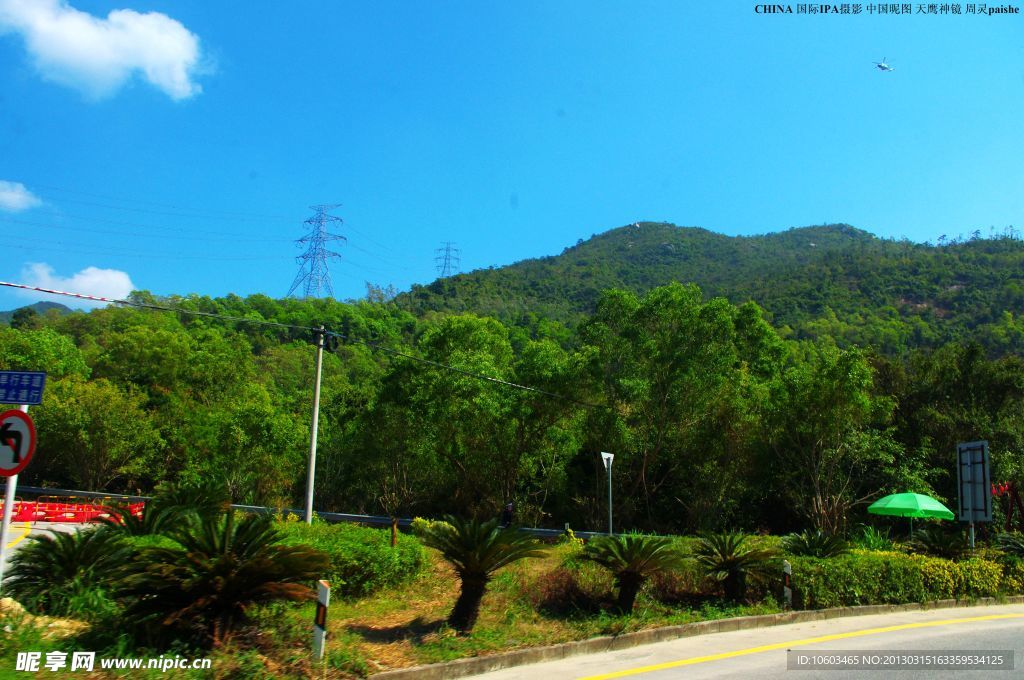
(735,587)
(629,586)
(394,531)
(467,607)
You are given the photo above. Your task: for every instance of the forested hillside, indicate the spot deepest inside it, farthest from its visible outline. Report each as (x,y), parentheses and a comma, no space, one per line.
(828,281)
(717,417)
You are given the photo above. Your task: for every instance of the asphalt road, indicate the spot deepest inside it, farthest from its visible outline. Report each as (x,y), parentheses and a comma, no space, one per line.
(762,653)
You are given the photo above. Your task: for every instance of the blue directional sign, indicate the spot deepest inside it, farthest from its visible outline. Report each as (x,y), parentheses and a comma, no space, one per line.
(22,387)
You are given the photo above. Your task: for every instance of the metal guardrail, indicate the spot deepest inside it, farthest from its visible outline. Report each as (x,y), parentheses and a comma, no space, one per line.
(373,520)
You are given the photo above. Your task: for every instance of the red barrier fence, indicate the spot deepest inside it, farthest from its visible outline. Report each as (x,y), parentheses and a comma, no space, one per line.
(69,510)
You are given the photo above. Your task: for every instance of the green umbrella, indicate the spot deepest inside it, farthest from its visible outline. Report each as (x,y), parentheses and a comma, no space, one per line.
(910,505)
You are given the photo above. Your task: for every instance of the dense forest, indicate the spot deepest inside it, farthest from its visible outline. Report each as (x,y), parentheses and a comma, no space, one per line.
(789,393)
(814,282)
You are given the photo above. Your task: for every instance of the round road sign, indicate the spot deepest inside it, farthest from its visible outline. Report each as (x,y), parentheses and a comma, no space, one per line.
(17,442)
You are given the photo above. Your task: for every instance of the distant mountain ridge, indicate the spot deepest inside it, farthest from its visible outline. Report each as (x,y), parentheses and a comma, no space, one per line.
(39,307)
(821,280)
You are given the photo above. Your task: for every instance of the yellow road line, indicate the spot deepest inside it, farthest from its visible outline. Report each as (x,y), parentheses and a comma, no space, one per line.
(19,539)
(795,643)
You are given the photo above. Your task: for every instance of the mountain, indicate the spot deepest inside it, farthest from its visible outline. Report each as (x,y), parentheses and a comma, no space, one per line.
(38,307)
(823,280)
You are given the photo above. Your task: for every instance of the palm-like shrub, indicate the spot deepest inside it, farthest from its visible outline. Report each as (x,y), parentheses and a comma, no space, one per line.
(154,520)
(726,558)
(205,588)
(1012,544)
(632,559)
(50,574)
(935,540)
(477,549)
(815,544)
(202,500)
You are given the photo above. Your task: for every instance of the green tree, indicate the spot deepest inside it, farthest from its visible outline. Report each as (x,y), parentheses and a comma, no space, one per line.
(825,454)
(95,435)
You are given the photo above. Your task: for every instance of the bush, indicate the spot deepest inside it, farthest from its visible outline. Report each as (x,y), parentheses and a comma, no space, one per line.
(870,538)
(940,542)
(980,578)
(67,574)
(815,544)
(362,559)
(863,578)
(1013,576)
(560,592)
(421,527)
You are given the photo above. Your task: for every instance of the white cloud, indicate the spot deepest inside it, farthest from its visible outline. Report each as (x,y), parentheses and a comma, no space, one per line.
(98,56)
(14,197)
(108,283)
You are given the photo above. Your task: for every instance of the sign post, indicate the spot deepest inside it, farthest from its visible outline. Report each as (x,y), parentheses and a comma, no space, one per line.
(17,444)
(973,483)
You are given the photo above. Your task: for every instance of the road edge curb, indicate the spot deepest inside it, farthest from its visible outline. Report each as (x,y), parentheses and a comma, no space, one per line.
(484,664)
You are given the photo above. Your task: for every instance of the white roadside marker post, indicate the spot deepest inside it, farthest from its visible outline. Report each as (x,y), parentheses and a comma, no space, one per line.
(323,598)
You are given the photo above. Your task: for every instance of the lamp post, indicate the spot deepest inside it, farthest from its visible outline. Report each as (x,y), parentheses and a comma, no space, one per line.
(607,458)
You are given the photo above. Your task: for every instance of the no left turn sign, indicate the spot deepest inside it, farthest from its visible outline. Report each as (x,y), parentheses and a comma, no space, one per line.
(17,442)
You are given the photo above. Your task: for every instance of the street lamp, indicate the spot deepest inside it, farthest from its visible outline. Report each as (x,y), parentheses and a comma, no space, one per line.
(607,458)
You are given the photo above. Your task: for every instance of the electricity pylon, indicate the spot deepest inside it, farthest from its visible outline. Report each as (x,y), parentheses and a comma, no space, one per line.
(447,259)
(313,263)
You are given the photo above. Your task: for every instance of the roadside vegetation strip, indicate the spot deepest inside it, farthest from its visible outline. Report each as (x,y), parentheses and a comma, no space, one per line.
(794,643)
(522,657)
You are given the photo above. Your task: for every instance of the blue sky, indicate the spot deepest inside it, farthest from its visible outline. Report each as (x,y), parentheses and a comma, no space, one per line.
(177,146)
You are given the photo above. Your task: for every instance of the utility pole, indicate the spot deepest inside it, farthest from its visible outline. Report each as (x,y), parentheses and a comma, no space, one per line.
(313,276)
(447,259)
(311,478)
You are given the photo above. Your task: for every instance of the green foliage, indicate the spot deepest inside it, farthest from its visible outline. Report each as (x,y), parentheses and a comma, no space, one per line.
(870,538)
(205,589)
(477,549)
(632,559)
(825,281)
(154,520)
(815,544)
(1012,544)
(938,541)
(726,558)
(362,560)
(96,432)
(421,527)
(67,573)
(870,577)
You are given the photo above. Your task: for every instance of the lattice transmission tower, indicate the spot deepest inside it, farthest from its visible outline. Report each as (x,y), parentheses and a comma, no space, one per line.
(447,259)
(313,276)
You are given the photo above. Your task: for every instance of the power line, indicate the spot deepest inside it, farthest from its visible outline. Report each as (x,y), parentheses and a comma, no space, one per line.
(317,278)
(310,329)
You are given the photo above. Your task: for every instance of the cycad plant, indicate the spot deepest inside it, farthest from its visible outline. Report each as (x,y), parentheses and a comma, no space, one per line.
(205,588)
(1012,544)
(153,520)
(477,549)
(632,559)
(937,541)
(50,574)
(815,544)
(726,558)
